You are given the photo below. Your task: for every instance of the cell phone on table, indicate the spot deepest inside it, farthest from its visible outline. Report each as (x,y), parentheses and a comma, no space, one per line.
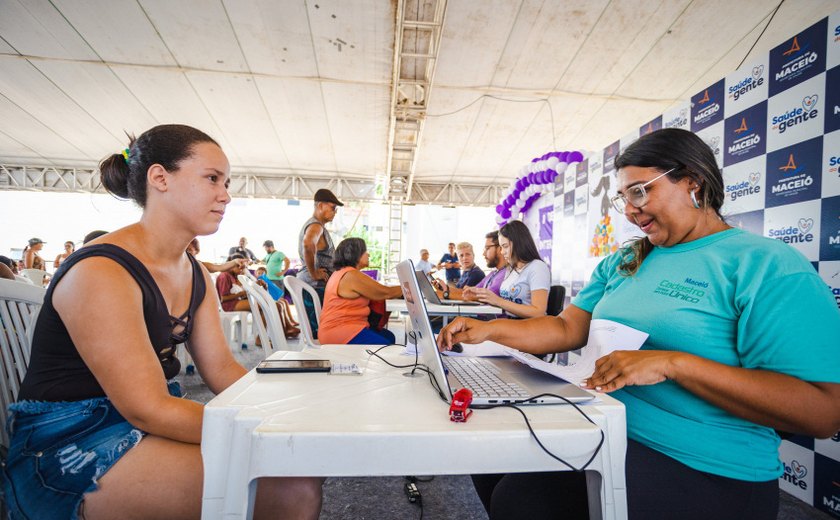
(272,366)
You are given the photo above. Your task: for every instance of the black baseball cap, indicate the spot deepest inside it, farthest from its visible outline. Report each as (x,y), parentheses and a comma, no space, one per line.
(268,243)
(325,195)
(35,241)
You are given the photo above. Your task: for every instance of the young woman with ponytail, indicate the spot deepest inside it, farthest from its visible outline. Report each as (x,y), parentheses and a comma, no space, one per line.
(97,431)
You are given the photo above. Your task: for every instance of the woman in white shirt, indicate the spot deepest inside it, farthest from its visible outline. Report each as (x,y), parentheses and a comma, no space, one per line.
(524,290)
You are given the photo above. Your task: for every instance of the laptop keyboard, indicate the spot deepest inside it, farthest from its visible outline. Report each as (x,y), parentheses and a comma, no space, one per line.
(482,378)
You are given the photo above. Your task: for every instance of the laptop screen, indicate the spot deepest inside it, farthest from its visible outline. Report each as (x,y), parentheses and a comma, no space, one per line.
(425,338)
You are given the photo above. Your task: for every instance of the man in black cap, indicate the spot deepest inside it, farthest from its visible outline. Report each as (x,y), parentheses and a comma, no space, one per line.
(316,249)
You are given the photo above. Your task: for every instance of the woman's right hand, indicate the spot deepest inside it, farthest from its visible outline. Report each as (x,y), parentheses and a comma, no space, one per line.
(462,330)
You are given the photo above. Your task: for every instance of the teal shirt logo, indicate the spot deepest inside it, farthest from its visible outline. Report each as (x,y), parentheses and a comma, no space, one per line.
(688,290)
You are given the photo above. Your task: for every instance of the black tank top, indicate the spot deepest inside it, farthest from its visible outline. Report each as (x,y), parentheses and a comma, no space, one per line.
(57,372)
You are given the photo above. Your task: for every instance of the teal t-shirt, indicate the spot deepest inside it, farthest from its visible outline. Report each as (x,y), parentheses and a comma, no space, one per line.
(732,297)
(274,264)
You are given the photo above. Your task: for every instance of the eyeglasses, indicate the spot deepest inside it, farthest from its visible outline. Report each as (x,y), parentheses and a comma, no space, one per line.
(635,195)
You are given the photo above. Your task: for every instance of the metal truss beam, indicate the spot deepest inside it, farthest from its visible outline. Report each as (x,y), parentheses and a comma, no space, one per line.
(416,45)
(255,185)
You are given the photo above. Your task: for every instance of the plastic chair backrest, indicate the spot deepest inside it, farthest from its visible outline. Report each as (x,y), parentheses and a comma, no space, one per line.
(266,317)
(20,304)
(36,275)
(296,288)
(556,299)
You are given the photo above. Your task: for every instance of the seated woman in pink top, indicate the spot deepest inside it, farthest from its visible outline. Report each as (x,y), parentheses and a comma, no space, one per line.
(344,317)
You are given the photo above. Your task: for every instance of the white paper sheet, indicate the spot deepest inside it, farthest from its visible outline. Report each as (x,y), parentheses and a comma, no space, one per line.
(605,336)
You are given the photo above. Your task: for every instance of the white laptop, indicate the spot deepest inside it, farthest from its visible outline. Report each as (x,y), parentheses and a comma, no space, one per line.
(431,296)
(492,380)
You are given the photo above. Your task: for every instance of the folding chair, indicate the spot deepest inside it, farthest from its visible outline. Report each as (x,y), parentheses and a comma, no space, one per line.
(266,317)
(296,288)
(20,304)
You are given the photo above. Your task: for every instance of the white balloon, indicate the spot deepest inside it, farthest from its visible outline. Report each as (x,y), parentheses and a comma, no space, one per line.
(561,167)
(499,219)
(520,203)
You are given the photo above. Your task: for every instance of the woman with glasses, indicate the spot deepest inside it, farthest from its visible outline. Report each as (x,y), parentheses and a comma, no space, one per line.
(743,334)
(523,290)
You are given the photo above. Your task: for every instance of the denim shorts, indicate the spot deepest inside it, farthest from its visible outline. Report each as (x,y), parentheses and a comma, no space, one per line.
(58,451)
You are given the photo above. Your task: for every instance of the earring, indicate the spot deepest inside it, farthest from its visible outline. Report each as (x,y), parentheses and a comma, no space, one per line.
(694,199)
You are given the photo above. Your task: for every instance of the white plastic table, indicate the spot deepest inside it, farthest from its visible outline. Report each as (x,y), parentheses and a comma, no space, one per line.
(384,423)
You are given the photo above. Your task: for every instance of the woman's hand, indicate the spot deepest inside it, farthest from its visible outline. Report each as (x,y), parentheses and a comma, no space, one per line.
(631,367)
(466,330)
(485,296)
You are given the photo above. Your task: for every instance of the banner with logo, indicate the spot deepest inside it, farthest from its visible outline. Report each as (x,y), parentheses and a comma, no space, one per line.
(774,126)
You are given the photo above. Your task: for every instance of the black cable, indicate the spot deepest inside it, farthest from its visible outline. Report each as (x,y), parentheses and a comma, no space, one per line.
(534,434)
(776,10)
(433,379)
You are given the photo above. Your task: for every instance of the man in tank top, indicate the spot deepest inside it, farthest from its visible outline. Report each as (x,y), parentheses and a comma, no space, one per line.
(316,248)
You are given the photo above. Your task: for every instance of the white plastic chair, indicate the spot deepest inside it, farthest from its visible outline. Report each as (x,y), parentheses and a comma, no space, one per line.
(36,275)
(266,317)
(234,324)
(236,329)
(20,304)
(296,288)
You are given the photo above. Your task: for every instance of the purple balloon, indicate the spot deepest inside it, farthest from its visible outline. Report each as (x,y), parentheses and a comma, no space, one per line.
(518,185)
(510,199)
(505,213)
(574,157)
(535,159)
(531,178)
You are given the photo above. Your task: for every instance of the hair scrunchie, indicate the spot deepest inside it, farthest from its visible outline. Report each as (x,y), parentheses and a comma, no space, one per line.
(125,155)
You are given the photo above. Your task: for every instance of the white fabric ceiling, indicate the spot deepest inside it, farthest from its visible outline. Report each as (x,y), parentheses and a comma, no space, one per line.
(303,87)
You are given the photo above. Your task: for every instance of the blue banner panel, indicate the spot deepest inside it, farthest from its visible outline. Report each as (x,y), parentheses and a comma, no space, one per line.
(794,173)
(745,134)
(800,58)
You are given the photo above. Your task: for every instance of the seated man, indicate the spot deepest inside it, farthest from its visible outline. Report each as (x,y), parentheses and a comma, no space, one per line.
(471,274)
(243,250)
(424,264)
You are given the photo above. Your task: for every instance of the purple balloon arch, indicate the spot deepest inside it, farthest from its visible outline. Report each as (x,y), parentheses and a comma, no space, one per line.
(534,179)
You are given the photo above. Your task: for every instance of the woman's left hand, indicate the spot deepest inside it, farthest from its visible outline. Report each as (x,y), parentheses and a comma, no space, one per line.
(486,296)
(631,367)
